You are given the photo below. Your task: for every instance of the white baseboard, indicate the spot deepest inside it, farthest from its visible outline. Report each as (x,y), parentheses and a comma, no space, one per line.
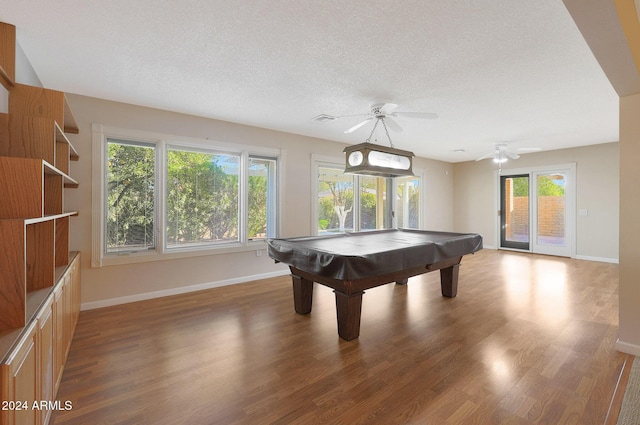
(600,259)
(176,291)
(625,347)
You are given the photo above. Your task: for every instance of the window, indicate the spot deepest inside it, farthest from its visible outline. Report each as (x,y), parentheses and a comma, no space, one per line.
(131,200)
(202,198)
(162,199)
(379,203)
(335,200)
(262,198)
(407,190)
(374,212)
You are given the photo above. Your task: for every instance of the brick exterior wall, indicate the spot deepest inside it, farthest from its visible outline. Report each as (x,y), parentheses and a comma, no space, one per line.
(550,216)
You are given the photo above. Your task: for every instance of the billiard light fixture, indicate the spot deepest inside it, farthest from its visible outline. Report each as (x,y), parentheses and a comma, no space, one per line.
(377,160)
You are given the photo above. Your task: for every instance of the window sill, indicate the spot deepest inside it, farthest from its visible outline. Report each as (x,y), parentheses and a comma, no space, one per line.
(143,257)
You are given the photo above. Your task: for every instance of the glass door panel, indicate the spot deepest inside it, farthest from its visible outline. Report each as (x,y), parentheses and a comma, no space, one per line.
(554,213)
(335,201)
(514,212)
(551,209)
(373,203)
(407,206)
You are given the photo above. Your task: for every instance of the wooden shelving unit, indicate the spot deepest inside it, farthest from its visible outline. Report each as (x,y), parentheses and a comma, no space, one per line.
(33,222)
(39,278)
(35,157)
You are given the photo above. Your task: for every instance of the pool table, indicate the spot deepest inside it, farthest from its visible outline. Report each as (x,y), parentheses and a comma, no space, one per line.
(352,262)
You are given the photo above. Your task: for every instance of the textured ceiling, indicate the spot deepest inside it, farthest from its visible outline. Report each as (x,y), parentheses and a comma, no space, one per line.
(514,71)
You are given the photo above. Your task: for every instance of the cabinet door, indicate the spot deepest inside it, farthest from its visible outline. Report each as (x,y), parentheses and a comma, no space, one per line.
(59,348)
(77,289)
(20,382)
(45,346)
(69,323)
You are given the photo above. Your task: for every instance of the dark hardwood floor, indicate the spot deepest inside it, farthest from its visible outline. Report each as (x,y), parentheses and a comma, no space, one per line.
(528,340)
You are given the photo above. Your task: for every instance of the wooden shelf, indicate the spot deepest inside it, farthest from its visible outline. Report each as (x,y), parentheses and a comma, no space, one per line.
(65,151)
(51,217)
(36,137)
(31,188)
(69,123)
(42,103)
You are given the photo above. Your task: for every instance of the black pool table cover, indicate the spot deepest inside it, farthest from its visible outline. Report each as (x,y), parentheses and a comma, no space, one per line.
(350,256)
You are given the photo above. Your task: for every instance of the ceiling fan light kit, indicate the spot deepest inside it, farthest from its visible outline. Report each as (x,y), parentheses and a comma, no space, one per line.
(377,160)
(500,158)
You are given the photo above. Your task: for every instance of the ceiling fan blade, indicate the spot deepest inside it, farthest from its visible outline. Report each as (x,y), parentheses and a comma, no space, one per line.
(388,107)
(423,115)
(353,115)
(392,124)
(357,126)
(489,155)
(512,155)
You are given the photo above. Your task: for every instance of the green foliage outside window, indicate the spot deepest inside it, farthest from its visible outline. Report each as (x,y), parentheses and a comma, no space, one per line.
(202,204)
(546,186)
(202,197)
(131,197)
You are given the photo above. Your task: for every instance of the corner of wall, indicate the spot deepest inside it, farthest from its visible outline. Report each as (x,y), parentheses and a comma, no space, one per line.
(25,74)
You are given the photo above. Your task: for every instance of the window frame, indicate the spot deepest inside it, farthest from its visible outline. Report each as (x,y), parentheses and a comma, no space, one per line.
(104,210)
(100,135)
(165,187)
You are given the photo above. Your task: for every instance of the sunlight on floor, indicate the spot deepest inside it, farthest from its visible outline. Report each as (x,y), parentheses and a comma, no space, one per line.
(538,284)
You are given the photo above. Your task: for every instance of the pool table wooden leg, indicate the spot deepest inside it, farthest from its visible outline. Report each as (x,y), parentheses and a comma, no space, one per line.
(348,309)
(449,281)
(302,294)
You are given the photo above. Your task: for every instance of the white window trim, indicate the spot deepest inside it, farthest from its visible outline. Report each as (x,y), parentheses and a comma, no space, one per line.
(100,134)
(418,172)
(318,161)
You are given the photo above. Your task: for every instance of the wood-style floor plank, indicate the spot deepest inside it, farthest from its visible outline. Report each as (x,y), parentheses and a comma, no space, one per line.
(528,340)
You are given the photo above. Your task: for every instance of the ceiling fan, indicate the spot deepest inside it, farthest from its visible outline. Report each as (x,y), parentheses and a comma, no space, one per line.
(500,154)
(379,111)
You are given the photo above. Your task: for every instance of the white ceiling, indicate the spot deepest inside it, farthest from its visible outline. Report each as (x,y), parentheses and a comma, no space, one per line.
(495,71)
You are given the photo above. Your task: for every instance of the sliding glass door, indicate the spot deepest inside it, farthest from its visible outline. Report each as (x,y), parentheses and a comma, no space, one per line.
(537,210)
(514,216)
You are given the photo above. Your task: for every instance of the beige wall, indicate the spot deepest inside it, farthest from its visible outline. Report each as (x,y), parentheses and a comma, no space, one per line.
(597,174)
(110,284)
(629,333)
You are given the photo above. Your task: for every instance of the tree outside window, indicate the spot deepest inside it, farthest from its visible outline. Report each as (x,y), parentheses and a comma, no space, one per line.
(335,200)
(130,203)
(200,197)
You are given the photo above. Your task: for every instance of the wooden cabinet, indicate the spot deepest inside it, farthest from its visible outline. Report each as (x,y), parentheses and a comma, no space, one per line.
(32,368)
(19,381)
(45,354)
